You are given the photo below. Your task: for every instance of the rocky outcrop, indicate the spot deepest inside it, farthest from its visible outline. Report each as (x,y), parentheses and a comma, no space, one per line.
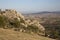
(11,14)
(35,23)
(15,18)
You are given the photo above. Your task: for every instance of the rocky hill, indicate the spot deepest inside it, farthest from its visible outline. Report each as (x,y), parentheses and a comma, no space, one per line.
(12,19)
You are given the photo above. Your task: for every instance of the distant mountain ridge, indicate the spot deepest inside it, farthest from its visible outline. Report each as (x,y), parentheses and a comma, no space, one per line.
(45,14)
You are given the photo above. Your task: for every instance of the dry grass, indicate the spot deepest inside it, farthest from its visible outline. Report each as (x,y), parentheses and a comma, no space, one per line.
(7,34)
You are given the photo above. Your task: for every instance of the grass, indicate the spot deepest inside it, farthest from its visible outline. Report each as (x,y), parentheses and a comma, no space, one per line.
(7,34)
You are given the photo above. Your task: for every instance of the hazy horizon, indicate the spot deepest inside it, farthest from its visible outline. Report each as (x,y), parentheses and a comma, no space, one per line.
(31,5)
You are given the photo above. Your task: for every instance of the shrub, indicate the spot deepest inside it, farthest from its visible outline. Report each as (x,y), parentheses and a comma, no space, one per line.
(33,28)
(16,23)
(3,21)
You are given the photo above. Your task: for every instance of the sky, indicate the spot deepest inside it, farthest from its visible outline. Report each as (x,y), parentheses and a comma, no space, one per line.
(31,5)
